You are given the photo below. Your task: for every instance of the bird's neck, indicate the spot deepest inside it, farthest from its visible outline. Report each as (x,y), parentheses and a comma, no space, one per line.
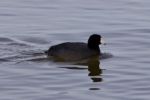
(94,47)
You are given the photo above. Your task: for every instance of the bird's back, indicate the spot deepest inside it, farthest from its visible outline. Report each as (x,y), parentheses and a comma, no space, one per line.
(71,51)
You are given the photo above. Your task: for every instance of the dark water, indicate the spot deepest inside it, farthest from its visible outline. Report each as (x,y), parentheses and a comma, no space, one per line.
(29,27)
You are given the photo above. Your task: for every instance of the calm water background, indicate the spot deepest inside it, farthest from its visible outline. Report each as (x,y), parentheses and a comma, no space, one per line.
(29,27)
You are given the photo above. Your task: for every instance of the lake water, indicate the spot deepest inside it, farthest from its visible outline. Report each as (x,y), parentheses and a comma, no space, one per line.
(29,27)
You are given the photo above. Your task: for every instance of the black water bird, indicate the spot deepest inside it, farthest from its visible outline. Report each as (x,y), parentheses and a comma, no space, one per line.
(74,51)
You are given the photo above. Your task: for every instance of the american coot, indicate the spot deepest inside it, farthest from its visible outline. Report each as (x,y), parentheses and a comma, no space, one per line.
(75,51)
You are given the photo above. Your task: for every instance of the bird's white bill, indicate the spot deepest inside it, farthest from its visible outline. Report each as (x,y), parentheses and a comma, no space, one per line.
(103,42)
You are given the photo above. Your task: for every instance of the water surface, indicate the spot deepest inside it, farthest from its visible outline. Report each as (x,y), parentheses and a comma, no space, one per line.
(29,27)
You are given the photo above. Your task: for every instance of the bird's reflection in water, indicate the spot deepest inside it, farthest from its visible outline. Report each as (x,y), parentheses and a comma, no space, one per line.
(93,68)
